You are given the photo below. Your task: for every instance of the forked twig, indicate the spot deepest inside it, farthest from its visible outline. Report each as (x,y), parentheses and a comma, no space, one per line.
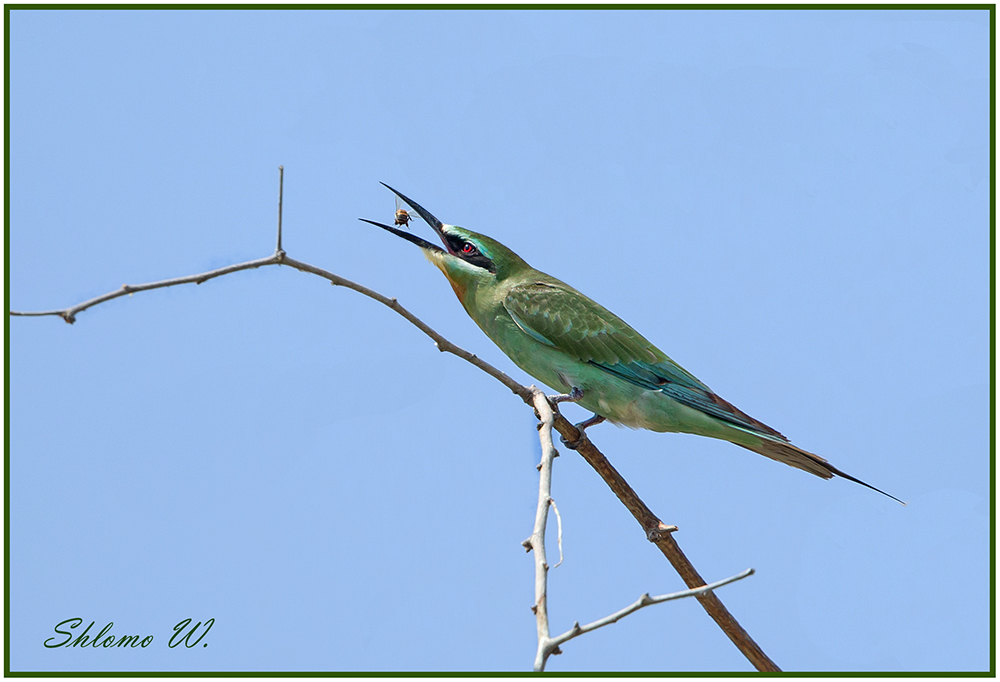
(644,600)
(548,645)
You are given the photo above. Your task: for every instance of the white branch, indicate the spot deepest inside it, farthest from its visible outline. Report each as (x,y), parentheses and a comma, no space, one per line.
(536,542)
(644,600)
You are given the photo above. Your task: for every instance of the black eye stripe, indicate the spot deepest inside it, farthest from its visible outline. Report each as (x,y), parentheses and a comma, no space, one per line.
(473,256)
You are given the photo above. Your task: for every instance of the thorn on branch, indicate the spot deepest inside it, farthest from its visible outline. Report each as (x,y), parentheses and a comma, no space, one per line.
(654,535)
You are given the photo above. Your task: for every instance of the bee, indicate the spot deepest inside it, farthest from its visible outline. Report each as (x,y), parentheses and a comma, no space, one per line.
(403,216)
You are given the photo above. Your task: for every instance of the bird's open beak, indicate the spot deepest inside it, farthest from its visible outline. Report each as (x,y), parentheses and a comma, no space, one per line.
(423,213)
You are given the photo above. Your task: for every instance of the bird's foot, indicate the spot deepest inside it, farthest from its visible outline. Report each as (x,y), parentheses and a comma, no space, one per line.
(574,395)
(582,428)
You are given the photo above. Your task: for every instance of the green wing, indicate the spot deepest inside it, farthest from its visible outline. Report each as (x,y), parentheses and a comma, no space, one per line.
(559,316)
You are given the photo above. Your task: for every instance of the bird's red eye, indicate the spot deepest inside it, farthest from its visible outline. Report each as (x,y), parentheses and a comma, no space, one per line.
(468,249)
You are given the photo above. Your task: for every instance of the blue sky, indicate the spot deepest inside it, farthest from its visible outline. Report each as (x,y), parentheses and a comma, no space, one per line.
(794,205)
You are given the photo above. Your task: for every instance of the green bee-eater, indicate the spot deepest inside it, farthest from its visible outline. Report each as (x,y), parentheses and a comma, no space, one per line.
(568,341)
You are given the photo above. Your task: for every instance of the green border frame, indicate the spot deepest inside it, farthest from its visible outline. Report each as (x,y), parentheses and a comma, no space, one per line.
(525,6)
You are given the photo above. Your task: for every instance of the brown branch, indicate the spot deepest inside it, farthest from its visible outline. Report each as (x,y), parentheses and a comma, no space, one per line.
(660,534)
(69,314)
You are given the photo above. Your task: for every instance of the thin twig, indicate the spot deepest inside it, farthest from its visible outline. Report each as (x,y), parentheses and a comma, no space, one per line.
(69,314)
(644,600)
(281,196)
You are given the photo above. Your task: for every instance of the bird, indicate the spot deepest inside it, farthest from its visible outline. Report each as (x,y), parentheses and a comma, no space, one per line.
(573,344)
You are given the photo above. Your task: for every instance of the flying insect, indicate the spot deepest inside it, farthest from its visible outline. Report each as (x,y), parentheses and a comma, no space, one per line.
(402,215)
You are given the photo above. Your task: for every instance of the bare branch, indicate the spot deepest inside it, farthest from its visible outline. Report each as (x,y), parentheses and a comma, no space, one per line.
(656,531)
(443,344)
(644,600)
(546,418)
(69,314)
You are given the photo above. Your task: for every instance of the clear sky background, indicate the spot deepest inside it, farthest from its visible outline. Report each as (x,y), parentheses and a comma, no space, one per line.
(794,205)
